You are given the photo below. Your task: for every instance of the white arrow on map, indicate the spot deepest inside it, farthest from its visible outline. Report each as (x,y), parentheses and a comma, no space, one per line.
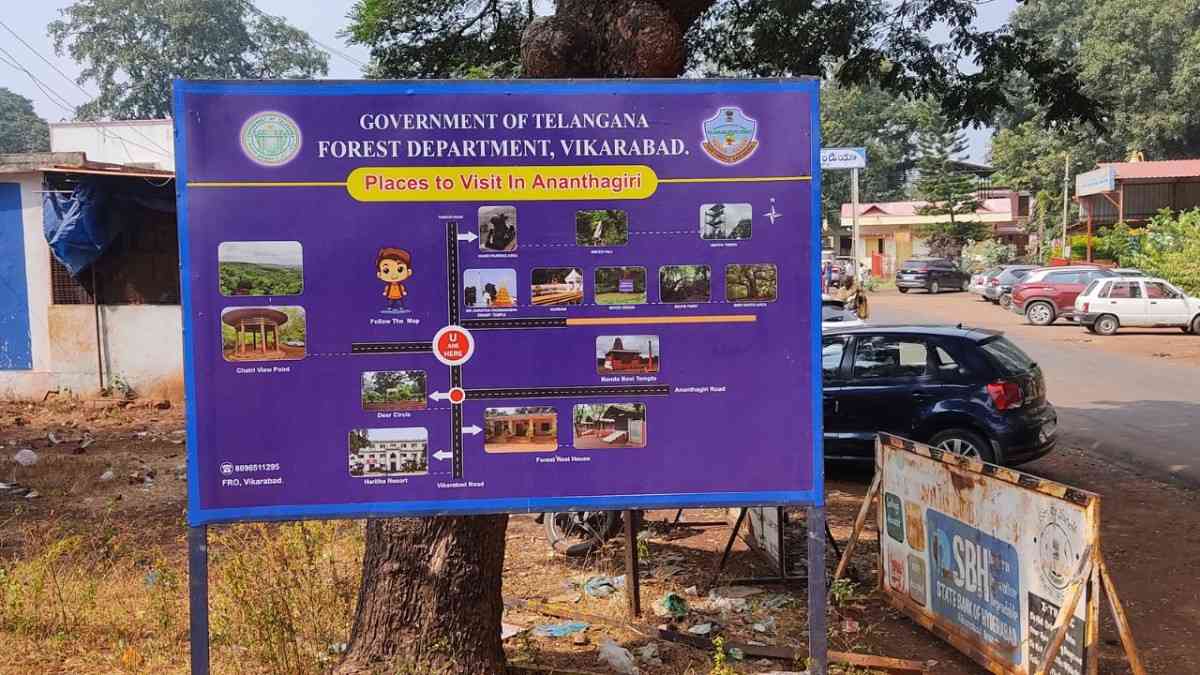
(442,455)
(470,236)
(471,430)
(439,396)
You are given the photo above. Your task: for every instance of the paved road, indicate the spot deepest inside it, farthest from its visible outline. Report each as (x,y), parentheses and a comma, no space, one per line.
(1117,400)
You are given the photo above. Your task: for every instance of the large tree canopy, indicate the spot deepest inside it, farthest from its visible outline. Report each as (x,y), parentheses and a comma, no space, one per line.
(21,130)
(131,50)
(856,42)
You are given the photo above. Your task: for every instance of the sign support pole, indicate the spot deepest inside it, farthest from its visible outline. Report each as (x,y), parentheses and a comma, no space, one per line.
(818,641)
(198,597)
(854,244)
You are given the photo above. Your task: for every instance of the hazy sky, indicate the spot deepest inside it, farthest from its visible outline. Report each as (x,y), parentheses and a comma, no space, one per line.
(262,252)
(401,434)
(321,19)
(640,343)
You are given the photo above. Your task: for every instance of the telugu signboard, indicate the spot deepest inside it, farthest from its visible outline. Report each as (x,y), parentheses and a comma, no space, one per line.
(985,555)
(419,298)
(843,158)
(1096,181)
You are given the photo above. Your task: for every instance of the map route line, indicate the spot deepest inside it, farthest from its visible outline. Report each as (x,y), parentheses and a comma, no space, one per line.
(452,290)
(390,347)
(569,392)
(564,322)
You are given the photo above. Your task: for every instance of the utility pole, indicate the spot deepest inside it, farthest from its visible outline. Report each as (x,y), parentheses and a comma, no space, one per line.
(1066,245)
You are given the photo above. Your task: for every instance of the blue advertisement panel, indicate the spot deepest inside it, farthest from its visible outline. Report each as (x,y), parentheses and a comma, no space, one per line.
(976,582)
(417,298)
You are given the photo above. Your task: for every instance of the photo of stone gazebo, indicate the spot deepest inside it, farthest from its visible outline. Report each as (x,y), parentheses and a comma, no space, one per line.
(263,333)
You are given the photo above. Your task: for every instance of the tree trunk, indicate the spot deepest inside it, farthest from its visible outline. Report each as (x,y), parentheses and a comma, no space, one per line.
(430,598)
(610,38)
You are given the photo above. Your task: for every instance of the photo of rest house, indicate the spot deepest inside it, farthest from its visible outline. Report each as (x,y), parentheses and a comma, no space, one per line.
(609,425)
(524,429)
(389,452)
(263,333)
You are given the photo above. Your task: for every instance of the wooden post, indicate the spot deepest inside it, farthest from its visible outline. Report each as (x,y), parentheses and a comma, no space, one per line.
(1092,635)
(633,580)
(1122,621)
(859,522)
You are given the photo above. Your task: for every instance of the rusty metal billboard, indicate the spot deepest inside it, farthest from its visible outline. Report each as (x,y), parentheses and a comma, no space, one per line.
(986,557)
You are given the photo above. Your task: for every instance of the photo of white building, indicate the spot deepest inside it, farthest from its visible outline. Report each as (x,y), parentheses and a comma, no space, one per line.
(389,452)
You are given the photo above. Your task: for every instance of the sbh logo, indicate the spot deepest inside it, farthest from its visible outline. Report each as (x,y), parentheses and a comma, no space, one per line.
(729,135)
(270,138)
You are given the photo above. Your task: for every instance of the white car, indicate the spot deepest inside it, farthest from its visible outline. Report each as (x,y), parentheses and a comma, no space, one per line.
(1111,302)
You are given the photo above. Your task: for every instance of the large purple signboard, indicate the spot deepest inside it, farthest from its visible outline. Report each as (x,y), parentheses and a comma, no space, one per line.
(418,298)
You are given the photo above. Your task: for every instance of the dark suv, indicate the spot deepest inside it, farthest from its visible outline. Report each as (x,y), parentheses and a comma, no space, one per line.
(933,274)
(965,390)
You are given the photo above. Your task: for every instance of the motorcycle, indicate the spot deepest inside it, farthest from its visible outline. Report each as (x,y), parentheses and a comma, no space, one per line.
(578,533)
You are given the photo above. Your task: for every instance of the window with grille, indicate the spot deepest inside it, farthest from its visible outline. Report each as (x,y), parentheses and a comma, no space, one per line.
(140,267)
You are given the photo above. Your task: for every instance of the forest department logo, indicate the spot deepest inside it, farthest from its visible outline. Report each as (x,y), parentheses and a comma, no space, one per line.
(729,135)
(270,138)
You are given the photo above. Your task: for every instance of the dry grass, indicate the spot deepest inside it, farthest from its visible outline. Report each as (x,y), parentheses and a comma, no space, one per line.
(99,601)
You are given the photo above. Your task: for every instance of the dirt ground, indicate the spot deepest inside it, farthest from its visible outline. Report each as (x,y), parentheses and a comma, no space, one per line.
(1151,533)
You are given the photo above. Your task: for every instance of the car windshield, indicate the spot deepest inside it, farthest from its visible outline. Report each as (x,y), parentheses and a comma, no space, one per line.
(1007,356)
(1091,287)
(1013,275)
(914,265)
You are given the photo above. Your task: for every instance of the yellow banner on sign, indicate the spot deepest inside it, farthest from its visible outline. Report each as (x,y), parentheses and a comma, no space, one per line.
(500,183)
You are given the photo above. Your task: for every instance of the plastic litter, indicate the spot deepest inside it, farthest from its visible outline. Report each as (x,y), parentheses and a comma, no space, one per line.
(26,457)
(777,601)
(618,658)
(701,629)
(602,587)
(508,630)
(559,629)
(767,626)
(671,604)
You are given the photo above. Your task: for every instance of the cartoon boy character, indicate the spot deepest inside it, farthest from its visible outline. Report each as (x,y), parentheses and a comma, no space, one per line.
(393,266)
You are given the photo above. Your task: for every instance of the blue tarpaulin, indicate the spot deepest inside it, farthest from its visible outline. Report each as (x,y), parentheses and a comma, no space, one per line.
(81,225)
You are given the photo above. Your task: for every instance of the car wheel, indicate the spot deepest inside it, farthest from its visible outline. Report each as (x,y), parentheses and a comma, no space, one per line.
(935,287)
(1040,313)
(1106,325)
(1091,328)
(964,442)
(1005,301)
(1196,325)
(902,289)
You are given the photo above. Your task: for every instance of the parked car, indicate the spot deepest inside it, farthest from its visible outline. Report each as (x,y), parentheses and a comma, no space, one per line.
(933,274)
(835,314)
(980,280)
(999,290)
(1107,304)
(964,390)
(1049,293)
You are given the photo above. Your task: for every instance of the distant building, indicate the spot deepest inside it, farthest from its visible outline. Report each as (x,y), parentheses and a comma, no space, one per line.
(890,231)
(117,320)
(1133,192)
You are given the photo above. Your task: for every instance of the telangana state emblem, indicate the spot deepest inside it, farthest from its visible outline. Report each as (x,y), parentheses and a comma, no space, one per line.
(729,135)
(270,138)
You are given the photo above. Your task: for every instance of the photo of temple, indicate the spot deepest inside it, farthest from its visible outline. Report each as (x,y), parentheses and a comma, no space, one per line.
(627,354)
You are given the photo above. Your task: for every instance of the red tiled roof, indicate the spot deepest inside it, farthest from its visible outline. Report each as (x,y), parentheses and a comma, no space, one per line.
(1169,168)
(909,208)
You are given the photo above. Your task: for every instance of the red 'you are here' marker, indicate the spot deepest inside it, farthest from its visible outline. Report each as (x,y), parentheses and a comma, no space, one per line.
(457,395)
(453,345)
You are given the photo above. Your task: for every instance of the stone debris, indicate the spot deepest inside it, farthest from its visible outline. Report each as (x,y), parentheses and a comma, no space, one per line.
(26,457)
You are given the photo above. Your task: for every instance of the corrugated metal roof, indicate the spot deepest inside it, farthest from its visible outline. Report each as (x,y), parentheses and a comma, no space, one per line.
(1168,168)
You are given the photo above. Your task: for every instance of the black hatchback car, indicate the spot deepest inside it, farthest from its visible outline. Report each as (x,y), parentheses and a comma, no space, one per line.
(964,390)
